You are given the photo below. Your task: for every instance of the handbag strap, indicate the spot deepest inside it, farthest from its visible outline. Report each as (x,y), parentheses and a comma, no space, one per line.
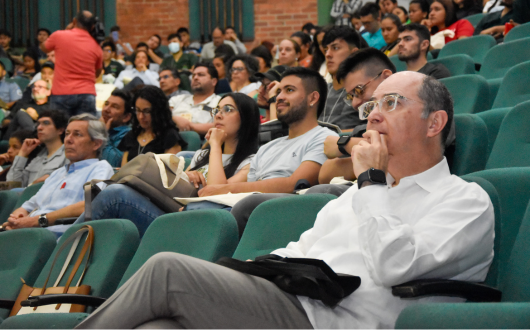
(164,160)
(91,191)
(68,259)
(86,246)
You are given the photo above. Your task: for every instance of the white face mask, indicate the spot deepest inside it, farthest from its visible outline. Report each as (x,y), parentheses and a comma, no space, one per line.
(174,47)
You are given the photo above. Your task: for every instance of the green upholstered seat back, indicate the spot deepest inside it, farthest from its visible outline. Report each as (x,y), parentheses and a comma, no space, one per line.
(203,234)
(457,64)
(474,19)
(24,253)
(476,47)
(471,144)
(28,193)
(8,200)
(275,223)
(518,32)
(515,87)
(193,139)
(501,58)
(512,145)
(400,65)
(493,119)
(470,93)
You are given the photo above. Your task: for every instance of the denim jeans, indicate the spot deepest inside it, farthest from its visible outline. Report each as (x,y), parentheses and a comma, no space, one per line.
(75,104)
(118,201)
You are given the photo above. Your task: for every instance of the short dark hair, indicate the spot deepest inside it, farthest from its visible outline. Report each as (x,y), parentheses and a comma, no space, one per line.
(135,54)
(212,71)
(173,35)
(250,63)
(306,39)
(45,30)
(395,19)
(308,26)
(424,5)
(421,31)
(346,33)
(109,44)
(174,72)
(142,44)
(404,10)
(85,22)
(262,52)
(370,8)
(59,118)
(23,134)
(393,1)
(183,29)
(5,33)
(312,82)
(436,96)
(225,52)
(127,98)
(115,28)
(219,28)
(372,60)
(230,27)
(159,39)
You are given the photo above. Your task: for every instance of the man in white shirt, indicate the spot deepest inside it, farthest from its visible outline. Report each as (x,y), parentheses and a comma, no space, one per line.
(420,223)
(218,38)
(193,112)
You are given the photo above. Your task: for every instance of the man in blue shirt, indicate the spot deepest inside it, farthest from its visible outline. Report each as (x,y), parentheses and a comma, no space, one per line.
(371,19)
(62,194)
(116,115)
(9,91)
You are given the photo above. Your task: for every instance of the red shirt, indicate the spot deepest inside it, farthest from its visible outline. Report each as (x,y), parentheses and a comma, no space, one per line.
(77,57)
(462,28)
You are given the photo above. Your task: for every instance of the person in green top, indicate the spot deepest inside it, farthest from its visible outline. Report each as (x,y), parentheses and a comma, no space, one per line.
(178,59)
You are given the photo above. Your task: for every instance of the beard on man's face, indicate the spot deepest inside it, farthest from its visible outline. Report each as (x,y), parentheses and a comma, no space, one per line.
(295,114)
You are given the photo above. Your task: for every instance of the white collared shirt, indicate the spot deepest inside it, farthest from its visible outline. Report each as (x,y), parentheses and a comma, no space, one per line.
(431,225)
(149,77)
(183,105)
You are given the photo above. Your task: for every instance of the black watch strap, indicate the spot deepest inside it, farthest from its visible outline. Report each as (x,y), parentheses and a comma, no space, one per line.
(373,176)
(272,100)
(344,152)
(341,144)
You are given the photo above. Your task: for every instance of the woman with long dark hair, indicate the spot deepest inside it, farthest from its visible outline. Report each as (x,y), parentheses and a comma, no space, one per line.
(318,63)
(31,65)
(153,129)
(443,17)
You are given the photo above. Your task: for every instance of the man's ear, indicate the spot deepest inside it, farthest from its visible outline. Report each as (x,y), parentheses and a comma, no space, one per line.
(386,73)
(313,99)
(424,46)
(127,118)
(97,144)
(437,121)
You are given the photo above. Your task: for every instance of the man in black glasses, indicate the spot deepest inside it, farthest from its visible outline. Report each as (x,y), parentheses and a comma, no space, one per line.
(360,73)
(170,83)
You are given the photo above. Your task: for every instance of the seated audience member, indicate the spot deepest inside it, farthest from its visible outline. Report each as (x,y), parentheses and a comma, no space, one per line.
(413,45)
(31,65)
(24,114)
(357,24)
(242,69)
(140,70)
(51,127)
(116,114)
(466,8)
(342,10)
(9,91)
(491,6)
(380,230)
(281,163)
(192,112)
(231,35)
(223,55)
(152,127)
(390,26)
(418,10)
(187,45)
(5,41)
(62,194)
(15,144)
(493,22)
(389,6)
(304,41)
(371,19)
(218,38)
(339,43)
(402,13)
(289,53)
(178,59)
(442,17)
(170,83)
(110,65)
(226,159)
(273,75)
(264,57)
(319,54)
(47,70)
(42,35)
(309,28)
(155,54)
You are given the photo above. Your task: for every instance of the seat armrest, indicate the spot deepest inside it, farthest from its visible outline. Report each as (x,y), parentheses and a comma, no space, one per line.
(65,221)
(6,304)
(474,292)
(66,298)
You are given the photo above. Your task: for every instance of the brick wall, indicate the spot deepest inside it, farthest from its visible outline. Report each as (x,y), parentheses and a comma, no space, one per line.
(274,19)
(139,19)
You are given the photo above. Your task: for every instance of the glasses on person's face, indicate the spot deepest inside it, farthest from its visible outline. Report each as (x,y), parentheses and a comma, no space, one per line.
(144,112)
(39,87)
(163,77)
(240,69)
(386,104)
(358,91)
(224,110)
(107,50)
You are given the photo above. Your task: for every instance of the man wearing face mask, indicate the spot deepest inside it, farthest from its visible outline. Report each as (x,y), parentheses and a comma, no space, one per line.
(178,59)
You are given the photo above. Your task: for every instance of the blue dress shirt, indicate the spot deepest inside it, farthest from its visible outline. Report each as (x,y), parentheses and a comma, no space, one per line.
(375,40)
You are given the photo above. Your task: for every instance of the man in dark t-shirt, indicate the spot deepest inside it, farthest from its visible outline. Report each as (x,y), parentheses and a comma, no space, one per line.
(413,45)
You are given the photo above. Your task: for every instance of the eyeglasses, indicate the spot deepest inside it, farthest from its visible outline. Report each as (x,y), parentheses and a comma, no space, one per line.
(144,112)
(164,77)
(358,91)
(240,69)
(225,109)
(386,104)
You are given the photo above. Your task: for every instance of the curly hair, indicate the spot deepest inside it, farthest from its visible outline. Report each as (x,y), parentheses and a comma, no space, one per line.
(250,63)
(161,119)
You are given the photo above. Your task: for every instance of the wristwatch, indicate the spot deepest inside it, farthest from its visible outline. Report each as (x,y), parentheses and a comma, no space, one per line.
(372,175)
(43,220)
(272,100)
(342,142)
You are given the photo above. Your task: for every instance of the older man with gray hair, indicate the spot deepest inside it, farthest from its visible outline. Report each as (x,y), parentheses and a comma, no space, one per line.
(61,196)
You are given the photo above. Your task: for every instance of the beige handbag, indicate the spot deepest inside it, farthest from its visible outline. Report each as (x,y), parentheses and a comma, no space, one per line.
(28,291)
(158,177)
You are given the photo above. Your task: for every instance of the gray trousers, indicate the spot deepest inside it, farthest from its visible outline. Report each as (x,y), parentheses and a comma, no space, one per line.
(177,291)
(244,208)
